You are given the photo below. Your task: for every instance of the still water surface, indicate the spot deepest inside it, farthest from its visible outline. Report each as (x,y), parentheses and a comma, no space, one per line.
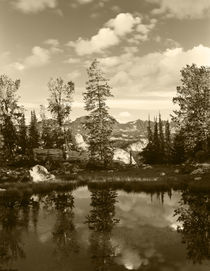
(105,230)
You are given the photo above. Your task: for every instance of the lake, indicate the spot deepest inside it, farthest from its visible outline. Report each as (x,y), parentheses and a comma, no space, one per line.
(105,230)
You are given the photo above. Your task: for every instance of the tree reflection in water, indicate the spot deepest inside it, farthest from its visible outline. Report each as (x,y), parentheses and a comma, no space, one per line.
(14,219)
(64,232)
(101,221)
(194,216)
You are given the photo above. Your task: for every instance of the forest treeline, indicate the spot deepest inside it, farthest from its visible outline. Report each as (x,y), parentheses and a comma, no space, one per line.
(191,139)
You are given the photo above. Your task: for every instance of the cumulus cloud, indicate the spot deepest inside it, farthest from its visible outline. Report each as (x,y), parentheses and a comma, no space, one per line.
(102,40)
(18,66)
(155,73)
(123,23)
(39,57)
(113,33)
(33,6)
(53,45)
(182,9)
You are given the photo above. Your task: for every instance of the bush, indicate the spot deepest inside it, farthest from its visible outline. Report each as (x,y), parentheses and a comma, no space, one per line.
(22,161)
(201,156)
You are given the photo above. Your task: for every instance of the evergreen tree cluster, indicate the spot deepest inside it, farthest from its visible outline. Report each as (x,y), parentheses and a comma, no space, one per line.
(159,148)
(162,146)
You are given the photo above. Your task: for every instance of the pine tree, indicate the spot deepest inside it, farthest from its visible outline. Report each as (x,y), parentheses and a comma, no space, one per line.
(161,140)
(99,122)
(149,132)
(33,132)
(22,135)
(156,141)
(9,133)
(168,147)
(151,152)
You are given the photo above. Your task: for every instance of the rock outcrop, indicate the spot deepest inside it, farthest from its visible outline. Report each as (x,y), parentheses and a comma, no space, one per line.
(137,146)
(123,157)
(80,143)
(40,174)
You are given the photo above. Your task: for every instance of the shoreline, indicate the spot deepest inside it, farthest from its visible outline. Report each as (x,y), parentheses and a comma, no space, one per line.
(130,179)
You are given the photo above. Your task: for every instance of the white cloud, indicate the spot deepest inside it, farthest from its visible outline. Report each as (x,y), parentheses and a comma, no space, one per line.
(52,42)
(33,6)
(123,23)
(155,73)
(54,45)
(18,66)
(124,114)
(39,57)
(102,40)
(84,1)
(182,9)
(109,61)
(113,33)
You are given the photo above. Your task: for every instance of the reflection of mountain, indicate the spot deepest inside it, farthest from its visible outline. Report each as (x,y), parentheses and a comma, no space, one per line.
(194,215)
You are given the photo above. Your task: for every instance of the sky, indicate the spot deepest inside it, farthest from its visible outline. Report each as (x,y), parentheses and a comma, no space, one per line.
(141,45)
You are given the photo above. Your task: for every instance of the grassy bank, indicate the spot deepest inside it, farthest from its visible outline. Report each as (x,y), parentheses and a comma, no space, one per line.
(155,179)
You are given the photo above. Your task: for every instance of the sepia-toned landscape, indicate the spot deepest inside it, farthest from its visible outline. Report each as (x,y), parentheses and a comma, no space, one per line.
(104,135)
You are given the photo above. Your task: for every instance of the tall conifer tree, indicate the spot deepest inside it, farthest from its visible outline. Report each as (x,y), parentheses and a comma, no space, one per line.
(168,148)
(33,132)
(100,123)
(149,132)
(161,139)
(156,141)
